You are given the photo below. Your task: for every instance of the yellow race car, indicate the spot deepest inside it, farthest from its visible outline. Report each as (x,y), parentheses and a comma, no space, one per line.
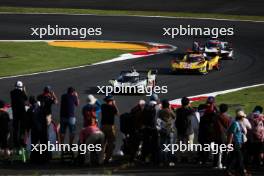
(196,62)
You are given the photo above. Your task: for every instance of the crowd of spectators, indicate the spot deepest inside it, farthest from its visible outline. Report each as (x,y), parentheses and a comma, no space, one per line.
(145,128)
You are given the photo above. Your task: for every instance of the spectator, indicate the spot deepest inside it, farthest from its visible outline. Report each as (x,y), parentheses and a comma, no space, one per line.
(235,136)
(245,124)
(94,101)
(91,134)
(90,109)
(47,99)
(167,117)
(184,126)
(18,103)
(150,144)
(67,114)
(136,135)
(207,127)
(221,125)
(137,113)
(38,129)
(256,135)
(4,130)
(109,111)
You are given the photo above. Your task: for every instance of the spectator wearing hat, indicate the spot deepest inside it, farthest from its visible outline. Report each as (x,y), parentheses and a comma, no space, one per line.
(18,102)
(92,109)
(235,164)
(69,101)
(109,111)
(4,129)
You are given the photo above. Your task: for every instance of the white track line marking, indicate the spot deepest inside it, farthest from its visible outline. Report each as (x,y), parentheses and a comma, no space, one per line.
(141,16)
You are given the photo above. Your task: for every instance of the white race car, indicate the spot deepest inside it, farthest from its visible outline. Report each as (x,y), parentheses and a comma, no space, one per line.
(217,47)
(133,82)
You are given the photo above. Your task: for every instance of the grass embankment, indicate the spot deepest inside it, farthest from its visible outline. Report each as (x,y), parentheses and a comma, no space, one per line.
(246,99)
(30,57)
(127,12)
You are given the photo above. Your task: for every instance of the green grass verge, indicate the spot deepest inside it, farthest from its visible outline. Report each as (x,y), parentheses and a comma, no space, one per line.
(126,12)
(246,99)
(29,57)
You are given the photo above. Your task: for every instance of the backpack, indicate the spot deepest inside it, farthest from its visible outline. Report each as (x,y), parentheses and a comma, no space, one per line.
(258,128)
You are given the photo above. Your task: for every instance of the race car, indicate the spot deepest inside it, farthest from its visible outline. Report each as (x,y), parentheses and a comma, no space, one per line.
(217,47)
(127,80)
(195,62)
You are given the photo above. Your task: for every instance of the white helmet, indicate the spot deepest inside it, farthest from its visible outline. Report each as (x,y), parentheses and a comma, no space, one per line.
(19,84)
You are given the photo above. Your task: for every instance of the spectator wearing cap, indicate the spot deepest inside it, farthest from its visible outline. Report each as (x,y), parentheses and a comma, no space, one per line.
(184,126)
(109,110)
(4,129)
(235,164)
(18,102)
(69,101)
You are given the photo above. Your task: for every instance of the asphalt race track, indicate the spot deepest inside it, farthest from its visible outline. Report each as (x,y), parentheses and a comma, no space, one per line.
(237,7)
(246,69)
